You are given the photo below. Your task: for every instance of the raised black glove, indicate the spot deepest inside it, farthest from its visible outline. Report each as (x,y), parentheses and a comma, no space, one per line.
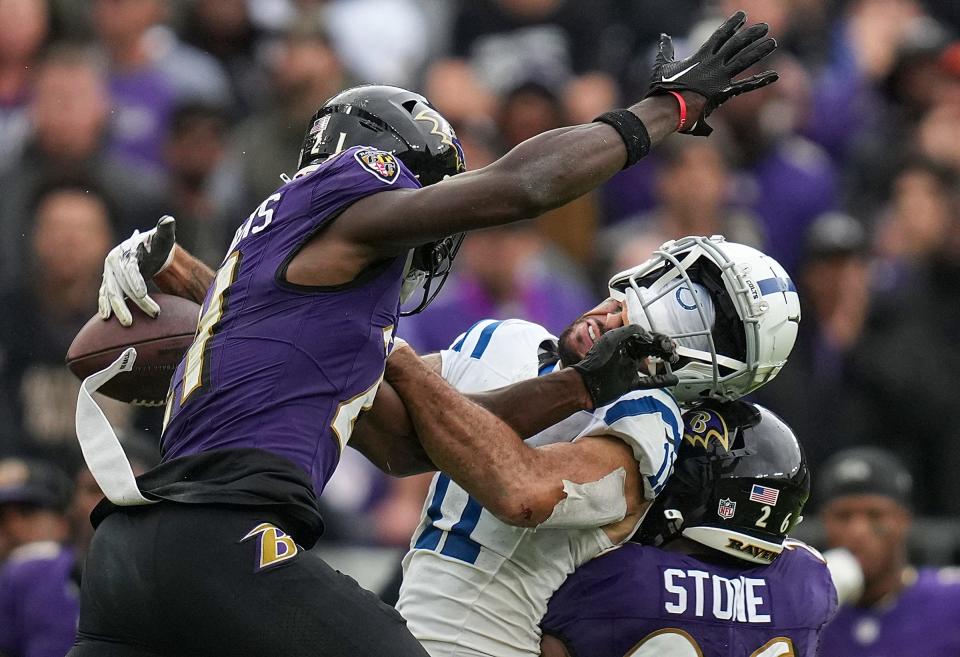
(710,71)
(612,366)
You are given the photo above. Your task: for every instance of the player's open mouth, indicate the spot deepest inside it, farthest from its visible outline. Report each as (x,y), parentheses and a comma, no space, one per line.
(592,331)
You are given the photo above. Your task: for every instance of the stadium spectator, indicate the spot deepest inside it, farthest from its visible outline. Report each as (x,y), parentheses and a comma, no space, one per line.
(526,111)
(921,209)
(890,109)
(857,307)
(203,188)
(225,30)
(834,283)
(870,45)
(305,72)
(865,496)
(25,28)
(457,93)
(502,272)
(69,110)
(916,310)
(785,179)
(41,317)
(507,42)
(150,72)
(39,595)
(693,190)
(937,134)
(771,118)
(400,28)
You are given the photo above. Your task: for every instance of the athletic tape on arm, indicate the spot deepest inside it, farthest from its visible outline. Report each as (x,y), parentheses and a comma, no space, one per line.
(593,504)
(101,449)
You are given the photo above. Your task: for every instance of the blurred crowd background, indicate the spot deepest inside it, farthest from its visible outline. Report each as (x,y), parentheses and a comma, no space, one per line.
(113,112)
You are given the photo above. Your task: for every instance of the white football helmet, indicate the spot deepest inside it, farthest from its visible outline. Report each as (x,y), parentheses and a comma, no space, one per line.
(736,314)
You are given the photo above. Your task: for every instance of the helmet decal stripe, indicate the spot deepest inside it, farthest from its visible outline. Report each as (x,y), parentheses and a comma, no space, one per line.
(442,130)
(774,285)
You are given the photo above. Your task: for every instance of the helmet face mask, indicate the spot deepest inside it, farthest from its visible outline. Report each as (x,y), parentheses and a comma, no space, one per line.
(739,484)
(746,337)
(403,123)
(430,266)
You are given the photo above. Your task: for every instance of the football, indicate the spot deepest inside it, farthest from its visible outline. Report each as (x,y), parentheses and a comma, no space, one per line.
(160,344)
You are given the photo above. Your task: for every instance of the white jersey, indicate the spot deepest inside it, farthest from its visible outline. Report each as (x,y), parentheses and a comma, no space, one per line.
(473,585)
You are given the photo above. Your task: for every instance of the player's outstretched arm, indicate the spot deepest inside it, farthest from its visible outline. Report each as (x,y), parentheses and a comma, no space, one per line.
(142,256)
(387,436)
(554,168)
(607,372)
(520,485)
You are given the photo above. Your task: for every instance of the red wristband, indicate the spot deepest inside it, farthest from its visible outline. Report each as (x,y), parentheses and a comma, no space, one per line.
(683,109)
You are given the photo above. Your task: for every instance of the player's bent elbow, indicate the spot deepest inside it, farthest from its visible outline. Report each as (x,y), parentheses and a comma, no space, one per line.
(526,506)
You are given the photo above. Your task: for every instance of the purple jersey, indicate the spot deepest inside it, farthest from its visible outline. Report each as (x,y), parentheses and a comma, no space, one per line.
(282,367)
(640,601)
(924,620)
(39,601)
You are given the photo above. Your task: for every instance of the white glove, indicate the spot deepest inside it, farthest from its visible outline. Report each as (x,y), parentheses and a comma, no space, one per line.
(128,266)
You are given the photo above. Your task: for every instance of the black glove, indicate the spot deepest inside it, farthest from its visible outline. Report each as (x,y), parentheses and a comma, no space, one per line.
(612,366)
(154,255)
(710,71)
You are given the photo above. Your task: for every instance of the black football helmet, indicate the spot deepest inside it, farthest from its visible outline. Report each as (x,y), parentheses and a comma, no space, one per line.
(403,123)
(739,483)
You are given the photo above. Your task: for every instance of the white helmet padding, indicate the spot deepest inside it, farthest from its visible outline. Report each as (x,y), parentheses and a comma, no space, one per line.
(680,310)
(741,332)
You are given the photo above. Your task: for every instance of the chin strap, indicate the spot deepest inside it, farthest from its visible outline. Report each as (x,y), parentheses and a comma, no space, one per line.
(101,449)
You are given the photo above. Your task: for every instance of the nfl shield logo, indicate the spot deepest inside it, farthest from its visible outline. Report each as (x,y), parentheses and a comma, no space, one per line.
(727,509)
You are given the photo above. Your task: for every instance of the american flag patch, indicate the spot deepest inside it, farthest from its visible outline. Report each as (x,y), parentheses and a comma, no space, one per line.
(764,495)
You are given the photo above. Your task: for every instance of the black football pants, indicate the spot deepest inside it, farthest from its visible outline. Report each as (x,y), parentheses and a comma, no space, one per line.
(177,580)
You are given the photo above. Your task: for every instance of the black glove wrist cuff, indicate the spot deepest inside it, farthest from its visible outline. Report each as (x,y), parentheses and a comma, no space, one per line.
(632,131)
